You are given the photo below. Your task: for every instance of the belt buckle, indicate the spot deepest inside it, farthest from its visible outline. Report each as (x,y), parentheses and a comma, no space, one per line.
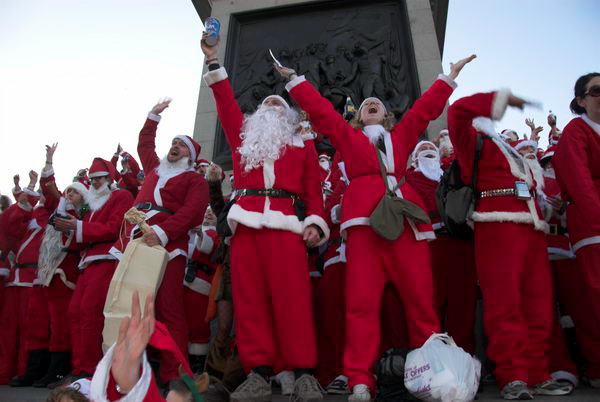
(522,190)
(553,229)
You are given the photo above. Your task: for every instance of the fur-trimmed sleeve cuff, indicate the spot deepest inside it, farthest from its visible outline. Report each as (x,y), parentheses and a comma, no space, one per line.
(79,232)
(320,222)
(153,117)
(164,239)
(298,80)
(448,80)
(47,173)
(500,103)
(212,77)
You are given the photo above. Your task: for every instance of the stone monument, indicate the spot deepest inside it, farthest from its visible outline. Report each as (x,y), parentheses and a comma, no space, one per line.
(350,48)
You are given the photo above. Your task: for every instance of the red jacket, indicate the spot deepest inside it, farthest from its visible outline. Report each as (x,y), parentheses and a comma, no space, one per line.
(499,165)
(579,179)
(297,171)
(184,193)
(360,156)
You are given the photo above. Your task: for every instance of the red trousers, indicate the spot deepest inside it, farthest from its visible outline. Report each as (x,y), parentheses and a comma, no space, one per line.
(574,302)
(13,313)
(170,310)
(330,321)
(588,259)
(514,276)
(37,333)
(86,318)
(455,288)
(373,261)
(196,304)
(272,299)
(59,296)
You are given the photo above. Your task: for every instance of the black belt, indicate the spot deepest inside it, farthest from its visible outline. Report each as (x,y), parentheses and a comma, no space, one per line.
(68,251)
(557,230)
(90,245)
(150,206)
(265,192)
(27,265)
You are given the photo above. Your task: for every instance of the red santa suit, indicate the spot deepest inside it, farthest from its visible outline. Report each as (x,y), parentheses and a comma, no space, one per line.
(128,179)
(94,236)
(579,178)
(510,246)
(174,200)
(196,292)
(13,314)
(452,266)
(571,274)
(272,306)
(365,281)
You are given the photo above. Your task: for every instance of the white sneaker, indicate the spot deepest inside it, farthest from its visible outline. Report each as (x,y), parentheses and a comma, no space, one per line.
(286,379)
(360,392)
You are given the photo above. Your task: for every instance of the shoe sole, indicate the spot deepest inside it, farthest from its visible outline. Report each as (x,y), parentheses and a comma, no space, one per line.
(338,392)
(554,393)
(521,396)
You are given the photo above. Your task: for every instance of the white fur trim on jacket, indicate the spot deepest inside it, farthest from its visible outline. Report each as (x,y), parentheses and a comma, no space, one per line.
(47,173)
(298,80)
(335,214)
(198,349)
(102,375)
(320,222)
(204,243)
(588,241)
(514,217)
(199,285)
(4,272)
(85,261)
(164,239)
(212,77)
(79,231)
(257,220)
(154,117)
(500,103)
(448,81)
(31,192)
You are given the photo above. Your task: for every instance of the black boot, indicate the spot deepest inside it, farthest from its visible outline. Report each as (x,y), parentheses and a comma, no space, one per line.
(60,366)
(37,366)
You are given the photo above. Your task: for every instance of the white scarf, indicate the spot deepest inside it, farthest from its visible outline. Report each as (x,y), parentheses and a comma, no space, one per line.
(430,167)
(374,132)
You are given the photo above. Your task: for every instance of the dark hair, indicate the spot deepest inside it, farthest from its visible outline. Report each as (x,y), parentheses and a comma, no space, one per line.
(58,394)
(580,87)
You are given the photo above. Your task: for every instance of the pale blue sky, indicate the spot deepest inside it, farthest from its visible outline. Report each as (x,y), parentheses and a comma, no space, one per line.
(85,72)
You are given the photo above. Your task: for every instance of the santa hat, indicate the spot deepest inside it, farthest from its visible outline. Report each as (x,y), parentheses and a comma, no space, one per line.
(444,131)
(279,98)
(548,154)
(100,168)
(81,188)
(415,153)
(372,98)
(324,155)
(524,143)
(192,145)
(231,178)
(202,162)
(505,134)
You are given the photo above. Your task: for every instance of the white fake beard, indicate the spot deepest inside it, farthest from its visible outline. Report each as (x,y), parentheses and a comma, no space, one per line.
(265,135)
(166,168)
(324,165)
(430,167)
(98,197)
(374,132)
(538,172)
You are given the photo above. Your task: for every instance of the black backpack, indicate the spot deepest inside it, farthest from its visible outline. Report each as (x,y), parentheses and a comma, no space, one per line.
(390,377)
(456,200)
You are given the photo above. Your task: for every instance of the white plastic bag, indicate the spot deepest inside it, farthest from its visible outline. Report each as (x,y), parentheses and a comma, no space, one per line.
(440,371)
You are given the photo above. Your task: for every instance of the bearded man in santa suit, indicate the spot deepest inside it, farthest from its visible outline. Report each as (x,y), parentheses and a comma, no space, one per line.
(94,235)
(373,131)
(452,259)
(276,171)
(578,174)
(174,198)
(516,284)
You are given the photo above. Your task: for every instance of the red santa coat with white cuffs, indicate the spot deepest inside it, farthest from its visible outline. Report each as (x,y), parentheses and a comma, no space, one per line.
(361,162)
(185,193)
(499,166)
(206,243)
(297,171)
(98,230)
(579,178)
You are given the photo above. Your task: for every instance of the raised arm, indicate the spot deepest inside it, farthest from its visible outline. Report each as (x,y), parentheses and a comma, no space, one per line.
(47,182)
(147,139)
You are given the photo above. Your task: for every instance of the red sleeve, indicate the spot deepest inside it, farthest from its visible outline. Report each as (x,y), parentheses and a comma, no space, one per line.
(229,112)
(49,190)
(191,212)
(107,230)
(114,160)
(18,221)
(572,165)
(460,127)
(131,183)
(415,121)
(323,117)
(313,193)
(147,147)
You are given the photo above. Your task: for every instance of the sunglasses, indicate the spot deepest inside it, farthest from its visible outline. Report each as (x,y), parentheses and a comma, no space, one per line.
(593,91)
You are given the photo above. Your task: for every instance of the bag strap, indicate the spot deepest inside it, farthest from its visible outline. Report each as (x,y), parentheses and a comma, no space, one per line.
(475,173)
(384,175)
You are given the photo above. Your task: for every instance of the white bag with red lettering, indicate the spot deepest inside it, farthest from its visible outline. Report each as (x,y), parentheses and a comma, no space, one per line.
(440,371)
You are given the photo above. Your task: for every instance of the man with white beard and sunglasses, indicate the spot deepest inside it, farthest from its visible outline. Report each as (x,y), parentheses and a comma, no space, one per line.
(94,233)
(452,259)
(174,198)
(276,173)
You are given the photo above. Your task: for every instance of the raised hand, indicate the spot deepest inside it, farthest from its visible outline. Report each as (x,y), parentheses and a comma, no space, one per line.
(16,180)
(530,123)
(455,68)
(535,131)
(210,52)
(50,149)
(119,149)
(33,177)
(161,105)
(134,335)
(285,72)
(517,102)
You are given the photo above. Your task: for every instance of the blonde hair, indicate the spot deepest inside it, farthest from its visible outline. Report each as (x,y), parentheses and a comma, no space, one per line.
(388,122)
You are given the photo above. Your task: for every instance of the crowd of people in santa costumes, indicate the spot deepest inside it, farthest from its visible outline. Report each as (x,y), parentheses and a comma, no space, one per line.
(296,258)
